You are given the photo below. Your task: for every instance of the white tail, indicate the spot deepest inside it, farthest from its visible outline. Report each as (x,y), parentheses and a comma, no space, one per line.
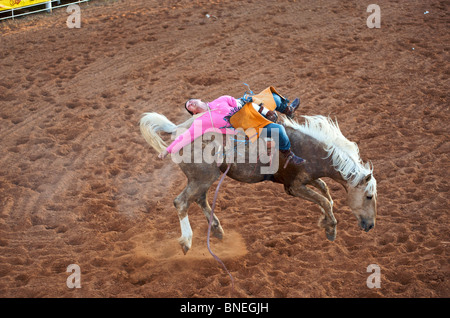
(152,123)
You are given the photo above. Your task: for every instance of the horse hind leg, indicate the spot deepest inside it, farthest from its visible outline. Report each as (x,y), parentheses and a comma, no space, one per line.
(182,203)
(193,192)
(216,228)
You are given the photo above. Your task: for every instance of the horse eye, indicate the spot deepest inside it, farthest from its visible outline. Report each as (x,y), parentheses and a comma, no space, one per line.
(369,197)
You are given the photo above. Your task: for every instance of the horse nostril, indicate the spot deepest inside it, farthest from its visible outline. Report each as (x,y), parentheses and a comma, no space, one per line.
(366,226)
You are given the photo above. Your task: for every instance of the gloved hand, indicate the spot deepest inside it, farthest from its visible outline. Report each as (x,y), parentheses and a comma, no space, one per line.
(163,154)
(272,116)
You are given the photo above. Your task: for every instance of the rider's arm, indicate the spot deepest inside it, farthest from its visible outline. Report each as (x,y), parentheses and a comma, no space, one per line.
(186,137)
(200,126)
(260,109)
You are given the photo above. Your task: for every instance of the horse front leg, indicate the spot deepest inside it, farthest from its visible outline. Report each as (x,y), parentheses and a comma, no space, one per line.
(216,228)
(329,221)
(322,186)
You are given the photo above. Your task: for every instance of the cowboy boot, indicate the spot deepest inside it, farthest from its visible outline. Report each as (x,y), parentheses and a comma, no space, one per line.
(272,116)
(290,109)
(291,157)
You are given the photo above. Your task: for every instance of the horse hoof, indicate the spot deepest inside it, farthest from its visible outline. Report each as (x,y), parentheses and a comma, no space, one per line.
(184,248)
(185,245)
(331,236)
(218,233)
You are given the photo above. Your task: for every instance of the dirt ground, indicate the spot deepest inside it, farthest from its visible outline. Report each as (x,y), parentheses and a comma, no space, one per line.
(79,185)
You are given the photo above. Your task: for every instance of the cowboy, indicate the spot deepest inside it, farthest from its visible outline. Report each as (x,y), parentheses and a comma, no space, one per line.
(222,114)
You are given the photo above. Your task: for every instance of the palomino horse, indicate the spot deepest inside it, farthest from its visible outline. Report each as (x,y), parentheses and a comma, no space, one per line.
(319,140)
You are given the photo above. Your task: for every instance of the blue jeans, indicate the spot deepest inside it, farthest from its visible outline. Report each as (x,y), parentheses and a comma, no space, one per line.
(281,104)
(283,142)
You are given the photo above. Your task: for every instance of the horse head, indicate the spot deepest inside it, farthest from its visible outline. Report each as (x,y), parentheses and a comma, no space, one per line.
(362,200)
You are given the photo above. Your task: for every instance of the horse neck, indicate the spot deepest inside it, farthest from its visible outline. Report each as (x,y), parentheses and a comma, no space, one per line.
(325,168)
(320,164)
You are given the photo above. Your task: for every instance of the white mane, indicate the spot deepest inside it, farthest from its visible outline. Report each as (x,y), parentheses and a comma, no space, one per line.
(344,153)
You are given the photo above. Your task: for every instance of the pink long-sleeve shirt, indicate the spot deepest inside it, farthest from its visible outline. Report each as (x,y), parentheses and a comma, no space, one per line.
(220,108)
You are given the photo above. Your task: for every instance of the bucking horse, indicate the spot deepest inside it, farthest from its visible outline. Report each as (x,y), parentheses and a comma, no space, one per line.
(328,154)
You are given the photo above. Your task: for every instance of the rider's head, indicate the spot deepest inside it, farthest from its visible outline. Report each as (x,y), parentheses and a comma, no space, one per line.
(195,106)
(185,106)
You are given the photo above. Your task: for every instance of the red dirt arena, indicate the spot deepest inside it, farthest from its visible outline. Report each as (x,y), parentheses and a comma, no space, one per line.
(79,185)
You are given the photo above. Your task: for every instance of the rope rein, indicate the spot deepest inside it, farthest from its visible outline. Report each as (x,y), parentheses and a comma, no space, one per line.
(211,217)
(210,223)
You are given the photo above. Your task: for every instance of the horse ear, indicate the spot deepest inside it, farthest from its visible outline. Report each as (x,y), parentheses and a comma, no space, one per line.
(366,179)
